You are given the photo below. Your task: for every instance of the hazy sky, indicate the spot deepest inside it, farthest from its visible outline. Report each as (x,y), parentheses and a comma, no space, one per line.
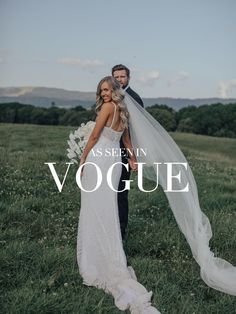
(174,48)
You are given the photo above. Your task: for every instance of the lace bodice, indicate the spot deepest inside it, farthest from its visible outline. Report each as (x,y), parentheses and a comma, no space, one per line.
(111,134)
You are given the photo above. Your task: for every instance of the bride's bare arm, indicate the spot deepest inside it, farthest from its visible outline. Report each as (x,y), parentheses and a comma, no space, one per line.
(100,123)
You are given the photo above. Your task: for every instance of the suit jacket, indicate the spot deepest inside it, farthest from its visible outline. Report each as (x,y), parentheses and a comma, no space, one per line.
(137,98)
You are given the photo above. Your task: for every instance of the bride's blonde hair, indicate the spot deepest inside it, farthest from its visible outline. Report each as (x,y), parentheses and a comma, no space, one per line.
(117,96)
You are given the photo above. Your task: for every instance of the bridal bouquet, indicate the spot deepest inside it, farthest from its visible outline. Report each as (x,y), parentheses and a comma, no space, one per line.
(77,141)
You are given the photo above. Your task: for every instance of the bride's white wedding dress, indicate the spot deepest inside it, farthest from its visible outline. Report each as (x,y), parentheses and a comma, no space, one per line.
(101,258)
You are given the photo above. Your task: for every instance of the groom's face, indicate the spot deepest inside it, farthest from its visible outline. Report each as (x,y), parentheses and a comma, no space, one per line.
(121,77)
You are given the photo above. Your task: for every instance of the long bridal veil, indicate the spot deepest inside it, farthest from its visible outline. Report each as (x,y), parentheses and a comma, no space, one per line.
(148,134)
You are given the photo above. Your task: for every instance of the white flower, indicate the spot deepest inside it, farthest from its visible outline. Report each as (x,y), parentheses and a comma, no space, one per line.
(78,140)
(72,136)
(71,153)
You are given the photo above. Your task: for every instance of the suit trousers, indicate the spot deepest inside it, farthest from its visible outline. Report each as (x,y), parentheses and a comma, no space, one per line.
(123,205)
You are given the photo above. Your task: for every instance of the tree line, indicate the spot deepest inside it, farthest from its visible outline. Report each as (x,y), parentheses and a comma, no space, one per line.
(214,120)
(20,113)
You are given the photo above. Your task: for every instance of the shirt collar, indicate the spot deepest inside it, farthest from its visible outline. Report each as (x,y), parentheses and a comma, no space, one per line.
(126,87)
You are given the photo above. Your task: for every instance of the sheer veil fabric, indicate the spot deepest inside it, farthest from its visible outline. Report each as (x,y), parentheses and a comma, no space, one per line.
(147,133)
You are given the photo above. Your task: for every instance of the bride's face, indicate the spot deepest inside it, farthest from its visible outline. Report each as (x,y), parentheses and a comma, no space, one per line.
(106,92)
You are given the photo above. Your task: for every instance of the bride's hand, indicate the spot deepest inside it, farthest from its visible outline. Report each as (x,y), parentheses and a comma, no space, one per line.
(82,161)
(133,164)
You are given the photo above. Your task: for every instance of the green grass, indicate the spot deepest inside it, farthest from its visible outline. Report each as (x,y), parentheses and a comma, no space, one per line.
(39,273)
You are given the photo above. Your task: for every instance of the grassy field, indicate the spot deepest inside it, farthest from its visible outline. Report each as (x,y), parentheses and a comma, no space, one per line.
(39,273)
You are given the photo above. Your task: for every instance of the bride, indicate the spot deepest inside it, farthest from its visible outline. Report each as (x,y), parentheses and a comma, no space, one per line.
(101,258)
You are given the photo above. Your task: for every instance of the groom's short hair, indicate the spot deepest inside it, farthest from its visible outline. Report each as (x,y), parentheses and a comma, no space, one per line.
(120,67)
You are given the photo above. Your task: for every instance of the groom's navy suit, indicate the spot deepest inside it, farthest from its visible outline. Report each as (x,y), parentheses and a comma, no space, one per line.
(123,205)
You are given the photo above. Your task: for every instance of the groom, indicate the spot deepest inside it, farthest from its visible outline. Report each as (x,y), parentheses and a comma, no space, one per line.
(122,74)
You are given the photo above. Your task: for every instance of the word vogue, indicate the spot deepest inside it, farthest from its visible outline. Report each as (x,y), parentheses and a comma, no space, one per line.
(169,176)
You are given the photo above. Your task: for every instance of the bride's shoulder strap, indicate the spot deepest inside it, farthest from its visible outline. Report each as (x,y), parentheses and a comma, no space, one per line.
(113,115)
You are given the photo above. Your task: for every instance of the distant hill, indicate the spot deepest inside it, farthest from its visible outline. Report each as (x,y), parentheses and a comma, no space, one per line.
(44,96)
